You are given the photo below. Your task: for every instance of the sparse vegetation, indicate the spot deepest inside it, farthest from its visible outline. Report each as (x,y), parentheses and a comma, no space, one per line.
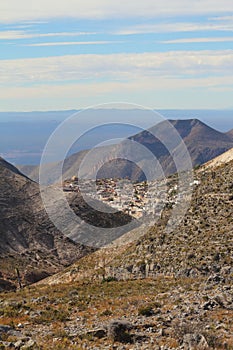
(109,279)
(146,311)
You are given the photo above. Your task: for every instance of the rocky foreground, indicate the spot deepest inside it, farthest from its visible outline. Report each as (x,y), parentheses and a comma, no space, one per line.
(163,313)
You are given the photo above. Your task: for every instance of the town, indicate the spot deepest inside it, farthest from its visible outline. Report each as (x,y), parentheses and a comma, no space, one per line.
(137,199)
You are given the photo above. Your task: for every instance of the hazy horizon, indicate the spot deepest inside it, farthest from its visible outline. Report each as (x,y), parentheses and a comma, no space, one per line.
(24,134)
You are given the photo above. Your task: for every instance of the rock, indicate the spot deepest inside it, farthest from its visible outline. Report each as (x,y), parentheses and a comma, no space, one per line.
(30,344)
(220,300)
(215,279)
(119,331)
(195,342)
(6,345)
(35,276)
(5,329)
(98,333)
(18,344)
(6,285)
(10,331)
(210,305)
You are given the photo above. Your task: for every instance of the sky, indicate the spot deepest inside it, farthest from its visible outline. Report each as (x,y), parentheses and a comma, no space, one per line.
(174,54)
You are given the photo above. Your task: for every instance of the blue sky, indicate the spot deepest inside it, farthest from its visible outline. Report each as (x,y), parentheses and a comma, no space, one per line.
(74,54)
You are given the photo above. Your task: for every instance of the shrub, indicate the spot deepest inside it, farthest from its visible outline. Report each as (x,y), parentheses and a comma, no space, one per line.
(109,279)
(106,312)
(146,311)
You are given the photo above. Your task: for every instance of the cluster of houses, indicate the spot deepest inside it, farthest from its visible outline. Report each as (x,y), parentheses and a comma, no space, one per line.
(136,199)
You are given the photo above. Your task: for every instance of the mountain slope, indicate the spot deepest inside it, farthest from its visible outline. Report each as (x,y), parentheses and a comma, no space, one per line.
(230,133)
(201,245)
(175,289)
(28,240)
(220,160)
(70,167)
(203,143)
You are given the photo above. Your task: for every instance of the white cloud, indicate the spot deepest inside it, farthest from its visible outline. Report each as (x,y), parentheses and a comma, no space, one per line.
(174,27)
(13,10)
(155,93)
(66,43)
(197,40)
(20,34)
(117,67)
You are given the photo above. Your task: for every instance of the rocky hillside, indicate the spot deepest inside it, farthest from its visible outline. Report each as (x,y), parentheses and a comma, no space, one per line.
(161,291)
(28,240)
(220,160)
(203,143)
(201,245)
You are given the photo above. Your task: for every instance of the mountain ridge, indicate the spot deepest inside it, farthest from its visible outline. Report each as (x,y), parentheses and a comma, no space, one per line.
(203,142)
(7,165)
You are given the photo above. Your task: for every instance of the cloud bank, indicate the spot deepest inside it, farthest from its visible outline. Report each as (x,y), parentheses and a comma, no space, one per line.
(14,11)
(116,67)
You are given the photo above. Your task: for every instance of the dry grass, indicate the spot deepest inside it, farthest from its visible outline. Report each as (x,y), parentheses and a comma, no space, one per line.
(51,311)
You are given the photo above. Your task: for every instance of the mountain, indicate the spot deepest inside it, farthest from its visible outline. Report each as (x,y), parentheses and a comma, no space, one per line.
(28,239)
(200,245)
(70,167)
(203,143)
